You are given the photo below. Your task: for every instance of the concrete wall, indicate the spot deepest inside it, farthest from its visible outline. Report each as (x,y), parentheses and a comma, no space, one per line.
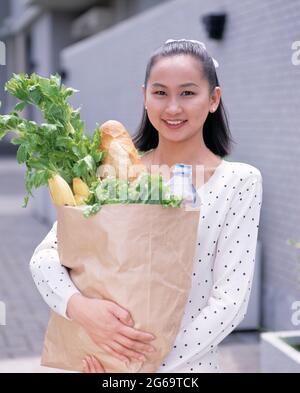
(261,89)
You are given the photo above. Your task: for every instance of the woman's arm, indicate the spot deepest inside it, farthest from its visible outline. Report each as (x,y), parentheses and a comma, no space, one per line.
(51,278)
(233,274)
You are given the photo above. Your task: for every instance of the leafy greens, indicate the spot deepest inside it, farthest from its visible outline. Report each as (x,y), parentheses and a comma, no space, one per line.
(58,146)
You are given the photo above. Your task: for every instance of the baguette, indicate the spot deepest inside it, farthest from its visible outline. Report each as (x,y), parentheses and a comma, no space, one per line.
(122,158)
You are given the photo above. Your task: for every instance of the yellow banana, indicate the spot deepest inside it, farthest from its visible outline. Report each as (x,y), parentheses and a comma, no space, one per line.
(80,187)
(60,191)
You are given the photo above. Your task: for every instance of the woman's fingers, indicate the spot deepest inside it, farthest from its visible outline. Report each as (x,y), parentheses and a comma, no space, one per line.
(122,314)
(92,365)
(111,351)
(97,365)
(134,345)
(127,352)
(136,334)
(85,366)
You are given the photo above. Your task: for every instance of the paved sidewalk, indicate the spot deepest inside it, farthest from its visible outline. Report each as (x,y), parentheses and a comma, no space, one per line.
(20,232)
(239,353)
(21,339)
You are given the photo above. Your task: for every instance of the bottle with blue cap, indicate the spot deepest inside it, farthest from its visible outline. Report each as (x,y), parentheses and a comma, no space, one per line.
(181,185)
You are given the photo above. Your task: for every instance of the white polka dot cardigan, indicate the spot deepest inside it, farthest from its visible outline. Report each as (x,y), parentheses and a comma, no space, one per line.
(222,273)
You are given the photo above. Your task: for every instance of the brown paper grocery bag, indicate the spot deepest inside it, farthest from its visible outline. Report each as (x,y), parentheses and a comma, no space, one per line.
(139,256)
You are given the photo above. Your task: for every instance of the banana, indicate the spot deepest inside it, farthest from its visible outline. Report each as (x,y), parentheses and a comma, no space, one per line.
(80,187)
(60,191)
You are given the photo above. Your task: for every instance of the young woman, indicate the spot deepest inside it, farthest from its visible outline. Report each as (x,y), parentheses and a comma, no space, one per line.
(183,122)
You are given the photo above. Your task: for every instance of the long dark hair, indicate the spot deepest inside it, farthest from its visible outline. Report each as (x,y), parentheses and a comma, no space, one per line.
(216,133)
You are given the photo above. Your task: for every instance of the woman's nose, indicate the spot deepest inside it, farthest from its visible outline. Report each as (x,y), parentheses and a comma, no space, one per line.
(173,107)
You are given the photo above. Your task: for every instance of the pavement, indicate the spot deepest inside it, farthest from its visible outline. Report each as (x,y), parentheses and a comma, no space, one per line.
(21,339)
(20,233)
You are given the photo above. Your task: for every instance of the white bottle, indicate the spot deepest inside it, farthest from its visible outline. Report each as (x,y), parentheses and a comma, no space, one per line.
(181,185)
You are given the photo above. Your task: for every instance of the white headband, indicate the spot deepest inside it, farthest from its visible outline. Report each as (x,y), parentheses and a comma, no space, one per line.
(196,42)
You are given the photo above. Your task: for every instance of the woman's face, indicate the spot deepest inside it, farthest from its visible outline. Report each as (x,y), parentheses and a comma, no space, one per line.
(167,99)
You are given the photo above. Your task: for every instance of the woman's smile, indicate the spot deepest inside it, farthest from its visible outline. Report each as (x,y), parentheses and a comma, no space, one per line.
(174,124)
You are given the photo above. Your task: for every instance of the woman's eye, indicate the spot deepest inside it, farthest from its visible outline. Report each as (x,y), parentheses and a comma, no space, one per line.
(187,91)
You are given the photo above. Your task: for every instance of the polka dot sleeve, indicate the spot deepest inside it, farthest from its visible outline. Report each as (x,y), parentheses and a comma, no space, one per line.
(233,270)
(51,278)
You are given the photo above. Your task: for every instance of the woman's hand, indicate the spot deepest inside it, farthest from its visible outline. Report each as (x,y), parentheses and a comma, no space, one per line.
(110,326)
(92,365)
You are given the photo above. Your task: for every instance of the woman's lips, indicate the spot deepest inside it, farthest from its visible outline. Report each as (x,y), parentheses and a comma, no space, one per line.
(175,126)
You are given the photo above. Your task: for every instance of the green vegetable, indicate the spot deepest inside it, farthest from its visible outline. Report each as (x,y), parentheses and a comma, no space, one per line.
(147,189)
(58,146)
